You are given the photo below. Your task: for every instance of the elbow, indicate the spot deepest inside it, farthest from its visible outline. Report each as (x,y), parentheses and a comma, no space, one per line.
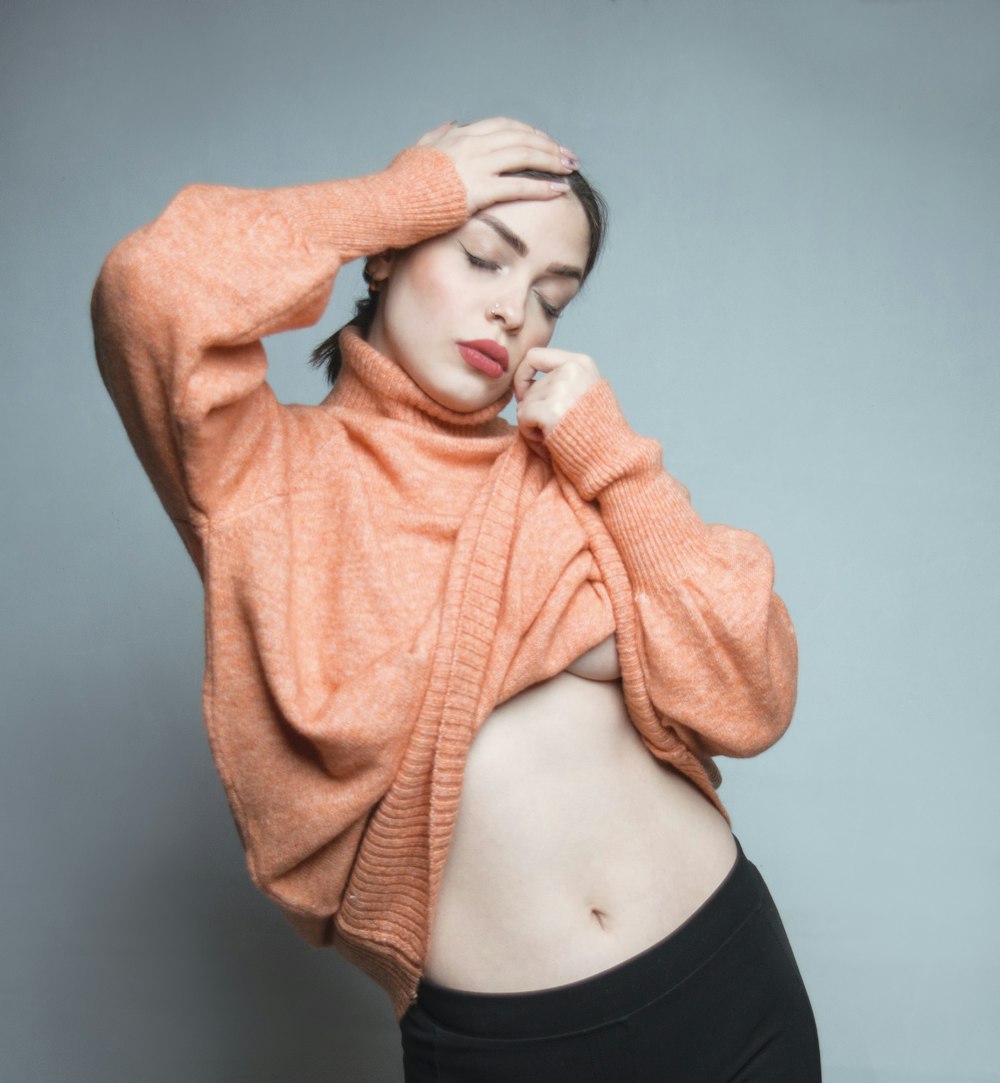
(118,283)
(110,310)
(783,663)
(106,317)
(773,720)
(738,719)
(754,735)
(768,712)
(128,305)
(758,709)
(770,701)
(123,276)
(141,270)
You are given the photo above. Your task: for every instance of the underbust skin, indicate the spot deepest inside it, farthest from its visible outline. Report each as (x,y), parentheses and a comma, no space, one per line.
(574,848)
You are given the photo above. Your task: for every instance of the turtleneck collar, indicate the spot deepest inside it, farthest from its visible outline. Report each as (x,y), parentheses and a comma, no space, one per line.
(370,382)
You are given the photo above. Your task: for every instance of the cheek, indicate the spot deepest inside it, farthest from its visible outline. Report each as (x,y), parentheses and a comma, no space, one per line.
(416,302)
(435,292)
(541,332)
(431,281)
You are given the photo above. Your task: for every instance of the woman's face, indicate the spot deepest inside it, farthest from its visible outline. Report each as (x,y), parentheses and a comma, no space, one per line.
(495,286)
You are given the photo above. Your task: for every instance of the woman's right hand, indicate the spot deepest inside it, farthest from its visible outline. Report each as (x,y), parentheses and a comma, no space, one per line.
(487,149)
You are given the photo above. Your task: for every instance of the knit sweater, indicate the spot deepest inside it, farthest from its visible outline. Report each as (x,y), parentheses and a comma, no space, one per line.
(380,571)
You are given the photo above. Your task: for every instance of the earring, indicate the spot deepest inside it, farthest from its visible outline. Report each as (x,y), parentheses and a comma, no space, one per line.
(374,285)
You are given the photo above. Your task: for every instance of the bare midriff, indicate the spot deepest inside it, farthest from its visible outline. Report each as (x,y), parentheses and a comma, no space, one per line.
(574,849)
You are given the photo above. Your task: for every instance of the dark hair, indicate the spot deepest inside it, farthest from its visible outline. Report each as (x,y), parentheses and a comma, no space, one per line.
(327,353)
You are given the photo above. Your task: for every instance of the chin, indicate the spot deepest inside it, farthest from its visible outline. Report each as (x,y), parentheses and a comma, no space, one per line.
(467,399)
(469,404)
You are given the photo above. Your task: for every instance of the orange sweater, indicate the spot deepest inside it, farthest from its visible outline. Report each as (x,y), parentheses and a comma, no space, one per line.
(380,572)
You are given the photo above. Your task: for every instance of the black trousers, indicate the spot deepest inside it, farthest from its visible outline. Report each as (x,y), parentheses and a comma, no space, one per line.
(720,1000)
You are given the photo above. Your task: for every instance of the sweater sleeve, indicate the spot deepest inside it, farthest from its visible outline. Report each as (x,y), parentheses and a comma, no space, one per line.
(180,307)
(717,646)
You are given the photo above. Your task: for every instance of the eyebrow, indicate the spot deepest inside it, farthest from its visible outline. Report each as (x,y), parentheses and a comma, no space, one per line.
(563,270)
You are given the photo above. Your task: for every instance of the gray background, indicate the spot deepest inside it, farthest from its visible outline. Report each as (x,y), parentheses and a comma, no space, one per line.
(799,300)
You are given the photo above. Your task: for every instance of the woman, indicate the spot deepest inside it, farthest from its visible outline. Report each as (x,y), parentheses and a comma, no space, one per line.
(464,680)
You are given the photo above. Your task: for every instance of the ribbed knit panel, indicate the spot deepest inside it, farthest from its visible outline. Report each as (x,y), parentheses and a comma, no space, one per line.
(480,567)
(412,827)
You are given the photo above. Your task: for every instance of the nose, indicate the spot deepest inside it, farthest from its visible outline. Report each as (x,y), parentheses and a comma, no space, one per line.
(508,311)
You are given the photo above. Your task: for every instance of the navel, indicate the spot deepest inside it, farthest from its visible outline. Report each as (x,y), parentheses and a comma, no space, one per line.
(600,916)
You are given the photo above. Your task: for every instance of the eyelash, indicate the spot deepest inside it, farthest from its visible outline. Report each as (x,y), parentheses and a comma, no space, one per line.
(485,264)
(551,311)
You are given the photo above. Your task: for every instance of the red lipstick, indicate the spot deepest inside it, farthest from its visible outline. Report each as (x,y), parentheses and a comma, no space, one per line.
(485,355)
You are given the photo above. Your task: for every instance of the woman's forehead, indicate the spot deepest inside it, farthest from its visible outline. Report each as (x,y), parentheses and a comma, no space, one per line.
(553,228)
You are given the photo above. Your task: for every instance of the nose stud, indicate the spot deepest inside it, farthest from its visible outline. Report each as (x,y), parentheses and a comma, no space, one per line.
(495,309)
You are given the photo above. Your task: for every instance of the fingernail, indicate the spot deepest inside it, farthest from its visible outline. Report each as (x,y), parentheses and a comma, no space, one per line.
(558,186)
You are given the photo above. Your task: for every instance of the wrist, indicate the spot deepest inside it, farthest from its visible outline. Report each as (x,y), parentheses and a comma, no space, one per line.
(593,444)
(418,196)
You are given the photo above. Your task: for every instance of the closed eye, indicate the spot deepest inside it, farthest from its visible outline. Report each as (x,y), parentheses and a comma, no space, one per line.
(550,310)
(485,264)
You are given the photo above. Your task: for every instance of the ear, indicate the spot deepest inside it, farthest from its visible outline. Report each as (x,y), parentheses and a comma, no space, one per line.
(379,267)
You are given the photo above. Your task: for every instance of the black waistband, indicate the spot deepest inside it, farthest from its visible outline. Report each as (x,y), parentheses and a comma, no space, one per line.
(612,993)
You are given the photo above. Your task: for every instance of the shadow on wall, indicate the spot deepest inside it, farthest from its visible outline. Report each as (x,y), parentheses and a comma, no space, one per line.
(200,976)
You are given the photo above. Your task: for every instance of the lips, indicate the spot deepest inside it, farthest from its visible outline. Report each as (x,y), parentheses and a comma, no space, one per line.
(485,355)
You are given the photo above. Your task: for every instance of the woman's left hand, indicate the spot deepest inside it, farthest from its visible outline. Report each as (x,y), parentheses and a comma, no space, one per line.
(543,403)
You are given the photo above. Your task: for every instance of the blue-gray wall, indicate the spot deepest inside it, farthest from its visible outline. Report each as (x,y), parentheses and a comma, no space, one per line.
(800,300)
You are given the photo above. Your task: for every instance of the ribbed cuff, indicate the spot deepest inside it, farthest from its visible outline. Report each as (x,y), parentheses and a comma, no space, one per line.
(647,511)
(594,446)
(420,195)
